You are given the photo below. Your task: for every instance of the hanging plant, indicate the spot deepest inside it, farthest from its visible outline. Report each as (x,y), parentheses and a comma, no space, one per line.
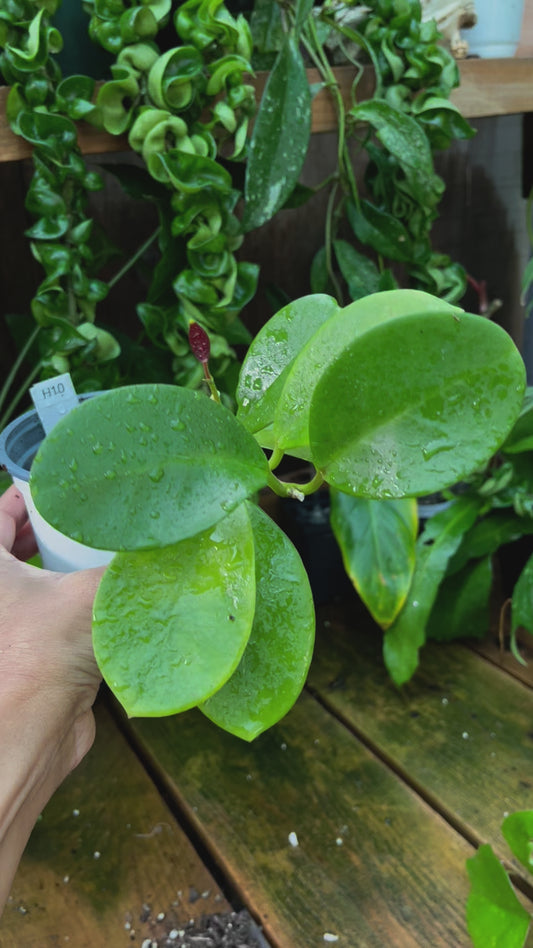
(409,117)
(183,109)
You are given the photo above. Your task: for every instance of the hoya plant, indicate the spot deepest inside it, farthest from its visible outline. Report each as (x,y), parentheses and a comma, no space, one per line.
(206,602)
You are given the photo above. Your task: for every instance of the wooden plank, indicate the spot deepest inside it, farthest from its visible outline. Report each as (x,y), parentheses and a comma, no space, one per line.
(461,731)
(488,87)
(494,87)
(505,660)
(373,863)
(107,847)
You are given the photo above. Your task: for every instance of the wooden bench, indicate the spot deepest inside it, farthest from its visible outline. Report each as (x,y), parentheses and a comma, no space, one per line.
(349,823)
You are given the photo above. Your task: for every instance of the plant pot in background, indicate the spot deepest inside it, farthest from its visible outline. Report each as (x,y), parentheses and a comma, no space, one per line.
(498,28)
(306,522)
(19,443)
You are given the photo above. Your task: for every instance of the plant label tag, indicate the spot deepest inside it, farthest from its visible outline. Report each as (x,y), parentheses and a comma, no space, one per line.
(53,399)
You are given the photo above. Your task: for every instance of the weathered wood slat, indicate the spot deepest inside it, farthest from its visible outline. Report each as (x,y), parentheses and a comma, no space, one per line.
(373,865)
(66,894)
(488,87)
(506,660)
(461,731)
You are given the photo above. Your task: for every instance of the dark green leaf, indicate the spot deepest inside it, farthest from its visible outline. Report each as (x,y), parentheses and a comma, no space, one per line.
(435,547)
(380,230)
(404,139)
(280,138)
(361,274)
(462,606)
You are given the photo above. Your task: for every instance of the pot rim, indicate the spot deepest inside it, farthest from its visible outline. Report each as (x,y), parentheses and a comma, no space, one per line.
(28,429)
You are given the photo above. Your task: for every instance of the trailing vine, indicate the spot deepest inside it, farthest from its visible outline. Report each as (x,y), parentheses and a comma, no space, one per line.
(409,118)
(179,90)
(62,235)
(183,109)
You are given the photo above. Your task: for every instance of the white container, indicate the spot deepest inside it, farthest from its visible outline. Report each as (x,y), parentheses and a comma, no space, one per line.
(498,28)
(19,443)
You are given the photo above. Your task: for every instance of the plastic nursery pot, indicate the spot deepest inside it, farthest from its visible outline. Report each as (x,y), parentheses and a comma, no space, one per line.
(19,443)
(497,30)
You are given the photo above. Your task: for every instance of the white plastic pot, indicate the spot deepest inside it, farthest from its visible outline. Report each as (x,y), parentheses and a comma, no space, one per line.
(19,443)
(498,28)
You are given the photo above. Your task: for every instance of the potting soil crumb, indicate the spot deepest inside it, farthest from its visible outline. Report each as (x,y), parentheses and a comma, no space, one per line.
(224,930)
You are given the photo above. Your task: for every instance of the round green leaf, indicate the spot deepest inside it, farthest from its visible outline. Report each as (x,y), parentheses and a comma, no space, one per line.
(144,466)
(274,666)
(291,422)
(272,353)
(171,625)
(415,404)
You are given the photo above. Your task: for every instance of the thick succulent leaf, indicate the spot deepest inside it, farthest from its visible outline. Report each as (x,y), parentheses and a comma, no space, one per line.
(144,466)
(271,354)
(170,625)
(415,404)
(280,138)
(377,541)
(328,343)
(274,666)
(435,547)
(495,917)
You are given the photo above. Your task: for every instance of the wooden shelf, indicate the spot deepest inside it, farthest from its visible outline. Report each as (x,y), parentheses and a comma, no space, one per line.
(488,87)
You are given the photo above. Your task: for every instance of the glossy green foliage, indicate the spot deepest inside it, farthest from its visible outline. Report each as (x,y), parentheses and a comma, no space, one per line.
(435,547)
(502,491)
(462,605)
(180,638)
(415,404)
(175,464)
(156,469)
(271,355)
(377,542)
(495,916)
(291,426)
(274,666)
(280,137)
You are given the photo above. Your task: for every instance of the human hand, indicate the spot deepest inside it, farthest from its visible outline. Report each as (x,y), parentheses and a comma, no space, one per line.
(48,680)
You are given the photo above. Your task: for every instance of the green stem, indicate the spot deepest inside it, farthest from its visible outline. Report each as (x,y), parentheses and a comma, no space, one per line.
(133,260)
(13,373)
(328,237)
(296,491)
(213,391)
(275,458)
(16,398)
